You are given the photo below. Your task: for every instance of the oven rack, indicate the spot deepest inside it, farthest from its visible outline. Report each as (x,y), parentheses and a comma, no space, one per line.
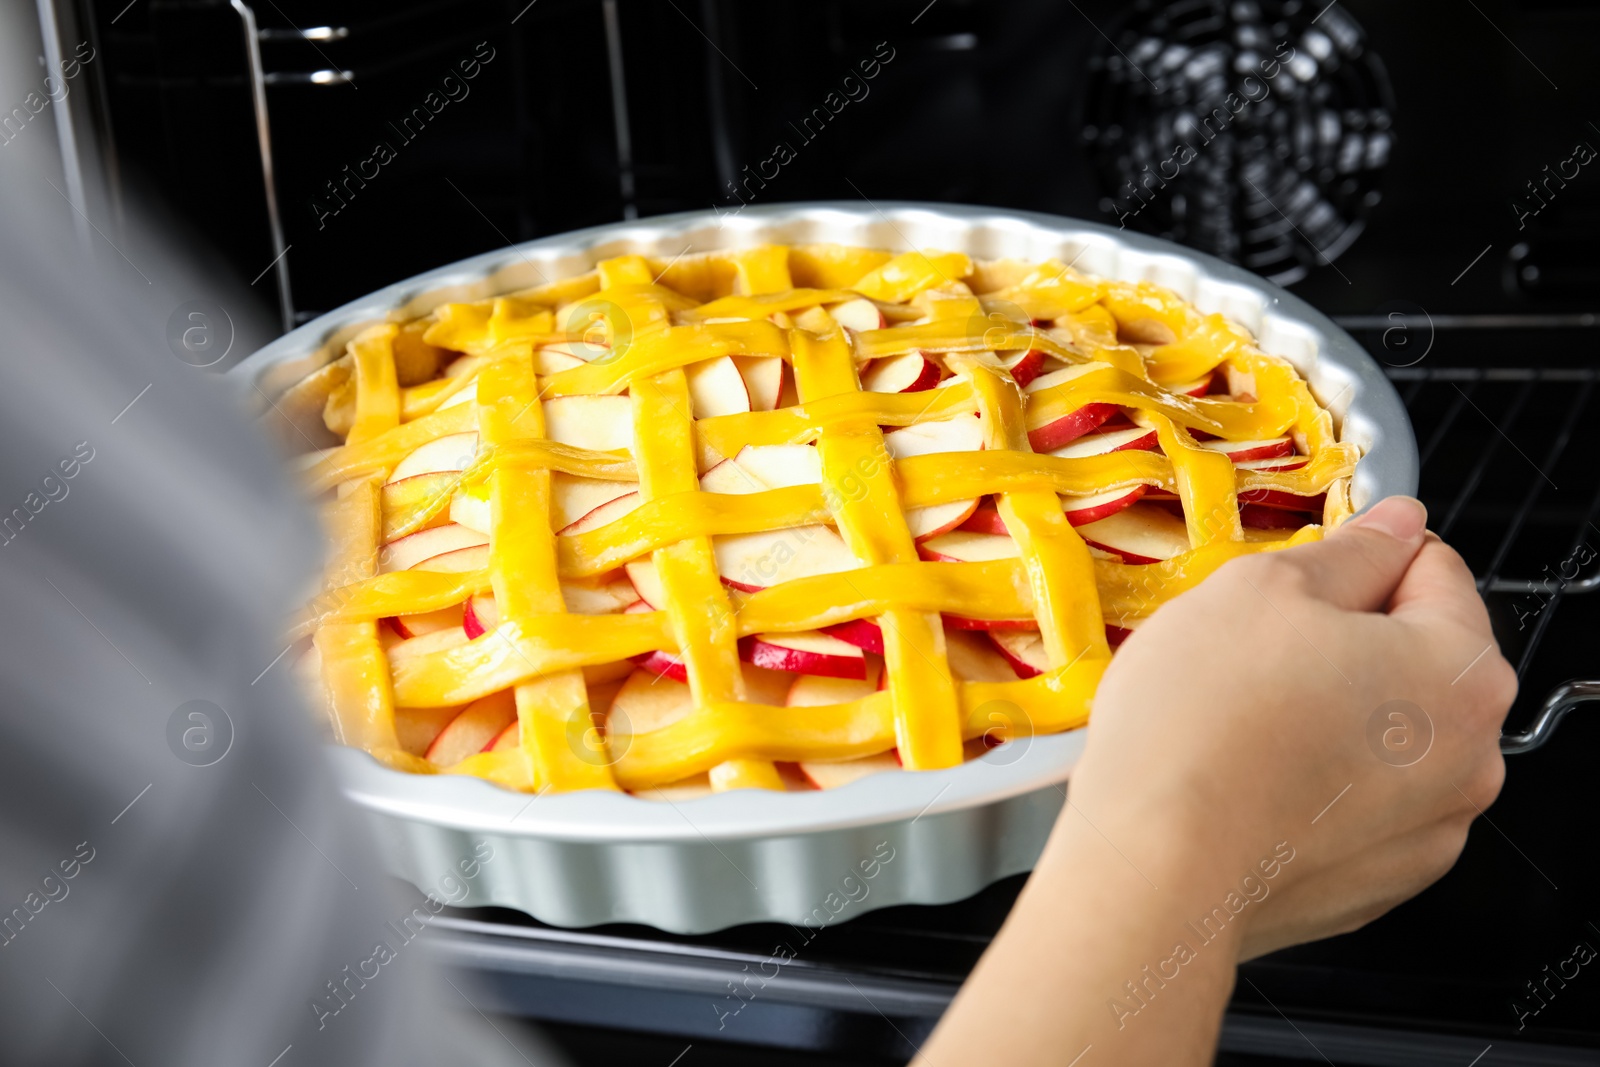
(1527,496)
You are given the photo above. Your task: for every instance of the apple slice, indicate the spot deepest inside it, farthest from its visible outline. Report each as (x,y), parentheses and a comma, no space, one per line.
(936,519)
(754,561)
(664,664)
(985,519)
(831,774)
(1199,387)
(964,546)
(429,622)
(1069,427)
(1115,635)
(973,658)
(646,703)
(1273,448)
(581,351)
(1062,376)
(762,686)
(863,633)
(410,648)
(716,388)
(806,652)
(646,582)
(1132,438)
(466,395)
(479,723)
(858,314)
(763,380)
(572,497)
(1285,463)
(603,515)
(482,614)
(1277,498)
(961,434)
(813,690)
(408,551)
(1023,650)
(506,739)
(1023,365)
(461,561)
(780,466)
(470,507)
(729,478)
(1082,510)
(601,423)
(553,359)
(604,596)
(452,452)
(417,728)
(1260,517)
(419,489)
(909,373)
(1143,533)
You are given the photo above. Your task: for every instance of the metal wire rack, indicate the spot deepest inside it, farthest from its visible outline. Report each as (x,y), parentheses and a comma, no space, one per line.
(1511,477)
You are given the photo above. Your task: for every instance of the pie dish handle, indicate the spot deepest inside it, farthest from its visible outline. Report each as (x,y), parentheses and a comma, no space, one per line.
(1561,700)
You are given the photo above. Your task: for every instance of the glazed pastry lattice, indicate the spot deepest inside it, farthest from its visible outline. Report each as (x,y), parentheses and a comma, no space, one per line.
(916,524)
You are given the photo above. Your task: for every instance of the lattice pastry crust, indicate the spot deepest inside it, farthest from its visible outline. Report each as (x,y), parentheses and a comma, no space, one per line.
(780,517)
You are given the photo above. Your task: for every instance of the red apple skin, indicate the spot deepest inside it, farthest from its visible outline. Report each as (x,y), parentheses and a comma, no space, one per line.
(470,623)
(1053,435)
(946,528)
(1115,635)
(495,740)
(1290,463)
(1204,388)
(927,379)
(1258,517)
(1126,557)
(658,662)
(927,374)
(986,519)
(779,658)
(1274,450)
(1147,443)
(1083,516)
(961,622)
(863,633)
(664,664)
(1276,498)
(1023,668)
(1027,368)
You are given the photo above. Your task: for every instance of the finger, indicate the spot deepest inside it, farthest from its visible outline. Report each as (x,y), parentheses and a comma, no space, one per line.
(1359,565)
(1439,585)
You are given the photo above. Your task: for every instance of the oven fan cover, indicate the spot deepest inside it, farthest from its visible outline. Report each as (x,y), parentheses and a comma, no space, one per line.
(1277,177)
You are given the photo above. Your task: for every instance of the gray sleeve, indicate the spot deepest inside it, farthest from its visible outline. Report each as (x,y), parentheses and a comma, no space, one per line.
(163,902)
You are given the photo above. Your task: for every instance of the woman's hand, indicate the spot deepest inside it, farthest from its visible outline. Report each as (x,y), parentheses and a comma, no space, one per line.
(1281,754)
(1358,672)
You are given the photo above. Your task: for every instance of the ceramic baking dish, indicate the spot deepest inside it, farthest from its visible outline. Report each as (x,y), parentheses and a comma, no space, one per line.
(810,858)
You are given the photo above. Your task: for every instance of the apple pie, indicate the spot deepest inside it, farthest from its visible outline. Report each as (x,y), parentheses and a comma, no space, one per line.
(781,517)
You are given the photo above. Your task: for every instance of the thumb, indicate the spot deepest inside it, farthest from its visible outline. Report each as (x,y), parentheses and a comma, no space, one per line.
(1359,565)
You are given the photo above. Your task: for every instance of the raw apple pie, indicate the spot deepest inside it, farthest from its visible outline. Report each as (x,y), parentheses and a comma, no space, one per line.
(782,517)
